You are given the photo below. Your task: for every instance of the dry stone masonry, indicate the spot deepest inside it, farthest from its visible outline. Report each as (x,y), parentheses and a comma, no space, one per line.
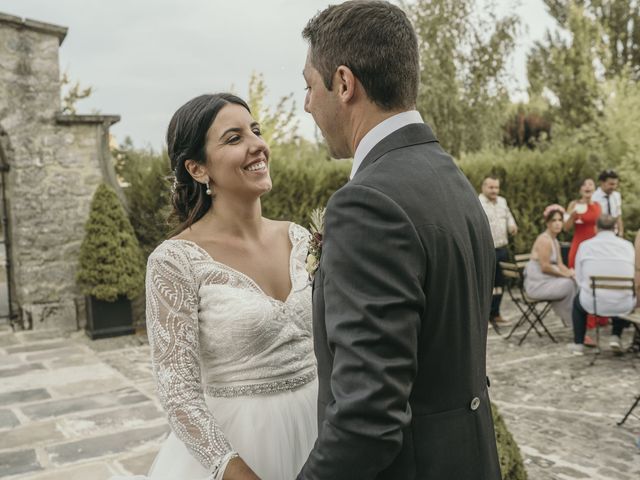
(51,165)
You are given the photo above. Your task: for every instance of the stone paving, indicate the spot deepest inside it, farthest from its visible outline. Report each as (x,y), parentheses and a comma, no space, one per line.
(73,409)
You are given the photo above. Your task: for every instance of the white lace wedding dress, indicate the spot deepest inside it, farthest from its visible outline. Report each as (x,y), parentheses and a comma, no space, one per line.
(234,367)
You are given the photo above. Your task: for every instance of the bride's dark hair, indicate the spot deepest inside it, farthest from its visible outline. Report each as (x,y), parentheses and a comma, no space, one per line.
(186,139)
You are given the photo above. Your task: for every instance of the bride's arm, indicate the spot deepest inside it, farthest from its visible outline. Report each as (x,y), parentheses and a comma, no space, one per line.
(172,325)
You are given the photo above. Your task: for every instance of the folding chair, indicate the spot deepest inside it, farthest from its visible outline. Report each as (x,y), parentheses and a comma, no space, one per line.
(532,311)
(630,411)
(634,318)
(607,282)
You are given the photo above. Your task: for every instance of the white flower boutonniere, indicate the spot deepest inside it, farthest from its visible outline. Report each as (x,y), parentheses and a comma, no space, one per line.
(315,243)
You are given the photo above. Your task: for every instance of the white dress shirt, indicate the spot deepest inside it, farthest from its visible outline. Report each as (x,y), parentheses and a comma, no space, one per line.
(615,202)
(501,220)
(605,254)
(381,131)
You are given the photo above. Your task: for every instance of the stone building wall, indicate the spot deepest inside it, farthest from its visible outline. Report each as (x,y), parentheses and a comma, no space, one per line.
(55,164)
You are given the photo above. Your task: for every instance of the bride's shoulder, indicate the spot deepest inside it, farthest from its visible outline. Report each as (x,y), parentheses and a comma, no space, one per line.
(295,232)
(172,250)
(298,233)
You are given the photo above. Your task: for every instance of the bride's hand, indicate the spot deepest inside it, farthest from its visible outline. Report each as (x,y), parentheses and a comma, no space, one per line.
(238,470)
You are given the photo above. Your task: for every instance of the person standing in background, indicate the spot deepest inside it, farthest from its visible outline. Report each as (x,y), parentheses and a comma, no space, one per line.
(502,225)
(609,198)
(582,215)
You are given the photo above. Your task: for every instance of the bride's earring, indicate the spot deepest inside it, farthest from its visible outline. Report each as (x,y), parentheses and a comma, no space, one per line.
(208,192)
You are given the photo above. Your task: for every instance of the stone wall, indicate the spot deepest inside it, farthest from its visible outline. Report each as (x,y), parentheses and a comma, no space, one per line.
(55,164)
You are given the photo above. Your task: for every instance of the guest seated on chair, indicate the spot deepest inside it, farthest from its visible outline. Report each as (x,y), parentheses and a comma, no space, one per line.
(605,254)
(546,277)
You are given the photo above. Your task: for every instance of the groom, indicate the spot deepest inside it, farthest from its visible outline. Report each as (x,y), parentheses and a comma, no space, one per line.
(404,285)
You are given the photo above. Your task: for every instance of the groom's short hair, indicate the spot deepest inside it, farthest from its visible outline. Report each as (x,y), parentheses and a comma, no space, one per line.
(376,40)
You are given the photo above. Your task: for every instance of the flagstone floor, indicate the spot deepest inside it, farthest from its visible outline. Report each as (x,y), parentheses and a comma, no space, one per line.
(73,409)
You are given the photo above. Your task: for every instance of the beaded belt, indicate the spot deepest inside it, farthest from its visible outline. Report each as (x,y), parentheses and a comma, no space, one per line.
(261,388)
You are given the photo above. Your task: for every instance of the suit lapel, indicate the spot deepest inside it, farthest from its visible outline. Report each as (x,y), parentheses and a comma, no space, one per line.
(412,134)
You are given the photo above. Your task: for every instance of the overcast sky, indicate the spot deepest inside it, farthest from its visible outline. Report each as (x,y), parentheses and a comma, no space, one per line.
(145,58)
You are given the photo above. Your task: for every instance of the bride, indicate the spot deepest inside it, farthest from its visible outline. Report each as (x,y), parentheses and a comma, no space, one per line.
(228,309)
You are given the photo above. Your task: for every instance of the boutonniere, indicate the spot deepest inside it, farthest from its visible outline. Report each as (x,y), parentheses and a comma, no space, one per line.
(315,242)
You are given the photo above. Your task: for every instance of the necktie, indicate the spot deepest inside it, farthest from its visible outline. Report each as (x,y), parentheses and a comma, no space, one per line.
(608,205)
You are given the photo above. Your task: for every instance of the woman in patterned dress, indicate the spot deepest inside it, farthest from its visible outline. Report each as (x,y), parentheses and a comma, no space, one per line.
(229,309)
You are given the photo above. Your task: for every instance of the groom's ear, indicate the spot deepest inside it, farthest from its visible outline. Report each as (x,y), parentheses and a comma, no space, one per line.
(344,82)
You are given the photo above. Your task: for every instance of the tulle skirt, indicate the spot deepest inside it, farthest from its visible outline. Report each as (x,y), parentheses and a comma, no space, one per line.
(273,434)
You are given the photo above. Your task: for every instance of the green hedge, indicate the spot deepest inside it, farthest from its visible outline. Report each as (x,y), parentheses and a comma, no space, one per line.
(511,463)
(299,187)
(531,180)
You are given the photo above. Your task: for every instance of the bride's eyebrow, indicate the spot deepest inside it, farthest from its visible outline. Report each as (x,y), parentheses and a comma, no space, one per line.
(228,130)
(238,129)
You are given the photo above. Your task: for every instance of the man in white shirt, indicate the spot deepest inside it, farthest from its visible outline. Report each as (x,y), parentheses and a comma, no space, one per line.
(609,198)
(608,255)
(502,225)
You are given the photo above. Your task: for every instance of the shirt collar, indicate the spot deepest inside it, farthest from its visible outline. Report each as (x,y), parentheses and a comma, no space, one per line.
(485,199)
(381,131)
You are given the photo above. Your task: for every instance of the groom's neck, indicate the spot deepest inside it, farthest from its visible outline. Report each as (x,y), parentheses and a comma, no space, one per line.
(364,118)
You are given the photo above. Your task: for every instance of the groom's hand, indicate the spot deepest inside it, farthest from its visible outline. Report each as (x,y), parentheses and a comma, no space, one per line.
(237,469)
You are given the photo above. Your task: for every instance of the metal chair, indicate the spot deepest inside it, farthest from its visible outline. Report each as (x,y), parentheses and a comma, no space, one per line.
(634,319)
(532,311)
(630,411)
(607,282)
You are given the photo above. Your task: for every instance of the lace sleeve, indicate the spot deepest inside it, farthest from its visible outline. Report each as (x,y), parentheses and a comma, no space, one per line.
(172,325)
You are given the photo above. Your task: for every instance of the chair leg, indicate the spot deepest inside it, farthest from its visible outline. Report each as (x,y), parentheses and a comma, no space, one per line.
(635,404)
(526,333)
(564,324)
(523,318)
(494,324)
(539,318)
(527,314)
(518,324)
(532,325)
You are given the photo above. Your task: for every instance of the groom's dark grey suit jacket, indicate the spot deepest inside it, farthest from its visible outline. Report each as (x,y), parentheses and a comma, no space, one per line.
(401,303)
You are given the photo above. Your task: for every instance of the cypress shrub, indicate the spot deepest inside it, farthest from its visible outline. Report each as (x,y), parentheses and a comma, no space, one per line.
(110,257)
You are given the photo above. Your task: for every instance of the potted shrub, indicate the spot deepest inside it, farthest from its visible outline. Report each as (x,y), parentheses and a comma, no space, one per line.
(110,272)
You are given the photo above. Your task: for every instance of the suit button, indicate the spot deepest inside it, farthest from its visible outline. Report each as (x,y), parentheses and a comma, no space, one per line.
(475,403)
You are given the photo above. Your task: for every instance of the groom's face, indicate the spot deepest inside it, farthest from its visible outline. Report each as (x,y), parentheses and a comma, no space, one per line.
(324,107)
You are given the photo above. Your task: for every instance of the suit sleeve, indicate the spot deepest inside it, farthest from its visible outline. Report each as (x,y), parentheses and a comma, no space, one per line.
(373,265)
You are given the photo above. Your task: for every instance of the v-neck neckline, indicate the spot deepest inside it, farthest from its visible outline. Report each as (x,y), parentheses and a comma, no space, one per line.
(246,277)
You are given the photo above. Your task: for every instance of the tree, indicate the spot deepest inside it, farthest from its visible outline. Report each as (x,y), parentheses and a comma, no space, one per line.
(598,40)
(110,257)
(73,93)
(279,126)
(566,68)
(463,75)
(619,34)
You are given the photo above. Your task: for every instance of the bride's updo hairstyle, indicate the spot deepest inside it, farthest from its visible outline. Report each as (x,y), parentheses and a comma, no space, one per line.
(186,140)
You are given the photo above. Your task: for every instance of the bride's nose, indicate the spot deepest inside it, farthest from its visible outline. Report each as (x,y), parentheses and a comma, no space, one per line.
(259,145)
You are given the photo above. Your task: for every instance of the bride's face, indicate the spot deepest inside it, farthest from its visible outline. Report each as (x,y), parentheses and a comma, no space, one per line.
(237,156)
